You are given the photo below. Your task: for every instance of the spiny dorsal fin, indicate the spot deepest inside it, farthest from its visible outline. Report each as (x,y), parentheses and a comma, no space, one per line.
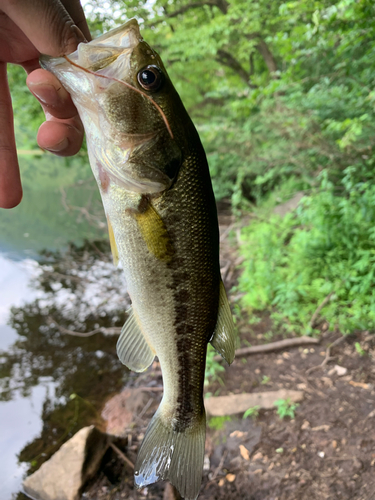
(224,338)
(112,242)
(132,347)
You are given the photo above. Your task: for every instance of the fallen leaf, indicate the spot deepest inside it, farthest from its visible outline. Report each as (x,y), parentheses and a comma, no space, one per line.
(324,428)
(334,444)
(305,425)
(221,482)
(327,381)
(258,471)
(237,434)
(230,477)
(257,456)
(359,384)
(244,452)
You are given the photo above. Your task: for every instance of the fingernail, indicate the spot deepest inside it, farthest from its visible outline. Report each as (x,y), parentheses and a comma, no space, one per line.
(78,34)
(60,146)
(45,93)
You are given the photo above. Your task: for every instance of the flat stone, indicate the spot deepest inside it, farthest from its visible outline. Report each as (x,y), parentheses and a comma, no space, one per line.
(239,403)
(65,473)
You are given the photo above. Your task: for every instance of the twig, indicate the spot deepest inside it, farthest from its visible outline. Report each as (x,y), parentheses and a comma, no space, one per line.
(217,470)
(273,346)
(318,309)
(149,389)
(63,199)
(145,408)
(328,356)
(309,384)
(121,455)
(226,231)
(108,331)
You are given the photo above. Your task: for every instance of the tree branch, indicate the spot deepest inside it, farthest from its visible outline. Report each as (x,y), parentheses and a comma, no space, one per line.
(227,59)
(220,4)
(264,51)
(273,346)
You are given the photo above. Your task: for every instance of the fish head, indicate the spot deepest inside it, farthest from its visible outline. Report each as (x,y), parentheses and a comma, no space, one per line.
(127,103)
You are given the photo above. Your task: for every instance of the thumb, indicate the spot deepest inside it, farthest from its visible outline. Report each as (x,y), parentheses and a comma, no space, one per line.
(46,23)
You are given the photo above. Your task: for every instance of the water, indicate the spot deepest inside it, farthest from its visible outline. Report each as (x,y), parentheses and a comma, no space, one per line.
(51,384)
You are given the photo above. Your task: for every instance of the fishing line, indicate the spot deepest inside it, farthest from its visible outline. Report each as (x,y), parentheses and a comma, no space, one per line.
(127,85)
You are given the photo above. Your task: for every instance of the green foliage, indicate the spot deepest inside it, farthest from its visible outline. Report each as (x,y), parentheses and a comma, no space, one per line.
(217,423)
(285,408)
(359,349)
(323,252)
(251,412)
(213,367)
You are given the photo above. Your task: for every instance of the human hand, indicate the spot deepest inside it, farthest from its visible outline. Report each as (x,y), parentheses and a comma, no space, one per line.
(27,29)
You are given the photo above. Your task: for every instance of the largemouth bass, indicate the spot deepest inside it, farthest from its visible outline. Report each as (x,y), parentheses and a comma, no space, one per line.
(153,177)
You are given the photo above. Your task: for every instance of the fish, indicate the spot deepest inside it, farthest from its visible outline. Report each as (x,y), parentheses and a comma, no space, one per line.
(154,181)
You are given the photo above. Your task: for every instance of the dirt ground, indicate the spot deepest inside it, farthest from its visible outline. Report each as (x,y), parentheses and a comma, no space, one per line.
(327,451)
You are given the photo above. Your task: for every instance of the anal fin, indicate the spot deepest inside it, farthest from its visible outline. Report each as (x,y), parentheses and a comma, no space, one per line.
(224,337)
(132,347)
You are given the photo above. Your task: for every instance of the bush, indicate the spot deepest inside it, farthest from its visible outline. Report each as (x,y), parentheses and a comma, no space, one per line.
(325,250)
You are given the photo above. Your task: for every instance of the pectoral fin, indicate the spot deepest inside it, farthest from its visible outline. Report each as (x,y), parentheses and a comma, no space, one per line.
(112,242)
(155,234)
(224,338)
(132,347)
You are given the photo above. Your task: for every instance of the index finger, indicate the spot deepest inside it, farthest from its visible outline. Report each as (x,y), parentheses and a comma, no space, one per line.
(10,185)
(47,24)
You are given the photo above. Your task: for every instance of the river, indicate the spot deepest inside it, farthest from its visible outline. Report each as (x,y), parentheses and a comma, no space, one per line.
(51,384)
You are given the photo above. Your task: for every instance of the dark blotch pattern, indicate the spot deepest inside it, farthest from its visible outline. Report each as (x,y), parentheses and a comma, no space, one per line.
(192,226)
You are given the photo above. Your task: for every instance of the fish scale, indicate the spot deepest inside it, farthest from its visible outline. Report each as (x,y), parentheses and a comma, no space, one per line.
(154,180)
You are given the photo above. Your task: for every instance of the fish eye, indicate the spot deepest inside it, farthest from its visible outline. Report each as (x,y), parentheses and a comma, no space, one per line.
(150,78)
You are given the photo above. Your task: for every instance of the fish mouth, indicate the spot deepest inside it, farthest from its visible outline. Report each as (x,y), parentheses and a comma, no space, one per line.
(101,52)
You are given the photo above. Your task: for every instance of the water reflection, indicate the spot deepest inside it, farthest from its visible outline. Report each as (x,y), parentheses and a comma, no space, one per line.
(67,377)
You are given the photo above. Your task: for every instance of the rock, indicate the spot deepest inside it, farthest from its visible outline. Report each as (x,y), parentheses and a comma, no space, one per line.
(239,403)
(340,371)
(290,205)
(119,411)
(65,473)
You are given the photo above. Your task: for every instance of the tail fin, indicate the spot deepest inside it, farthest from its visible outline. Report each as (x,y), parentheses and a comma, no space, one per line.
(176,456)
